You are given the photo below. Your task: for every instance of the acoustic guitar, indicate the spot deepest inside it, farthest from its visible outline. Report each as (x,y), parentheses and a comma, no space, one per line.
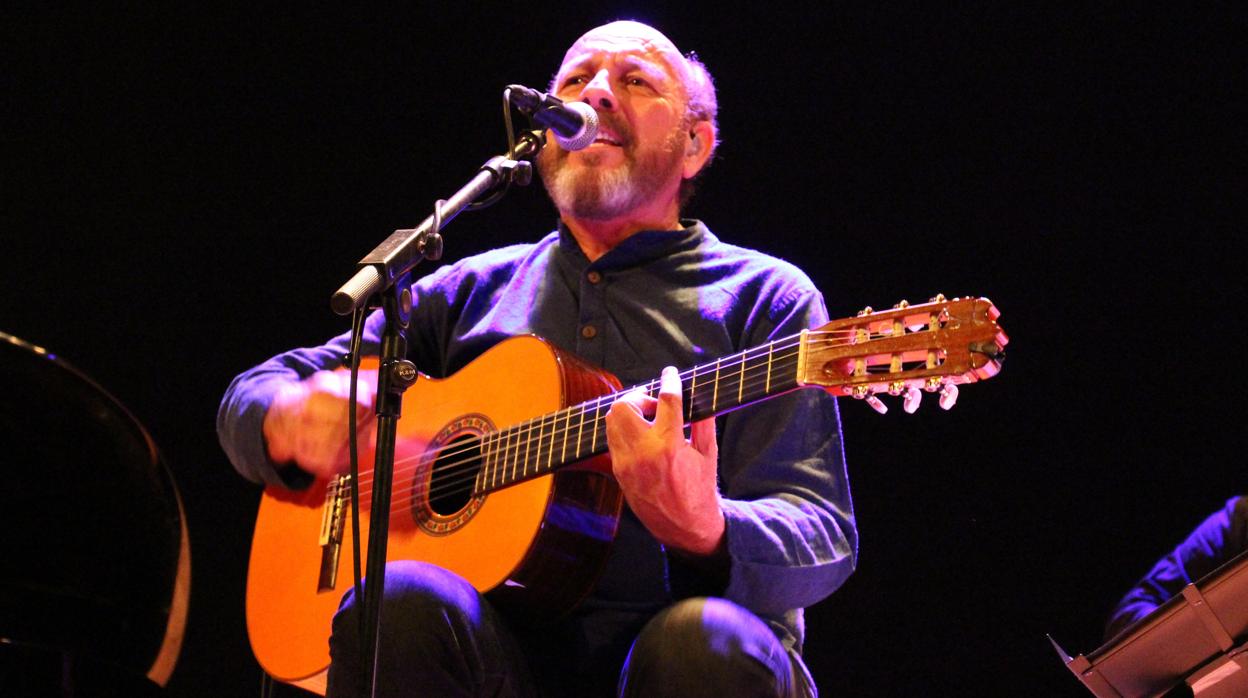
(502,473)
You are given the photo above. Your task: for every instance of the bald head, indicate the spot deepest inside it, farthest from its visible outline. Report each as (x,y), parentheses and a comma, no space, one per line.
(626,36)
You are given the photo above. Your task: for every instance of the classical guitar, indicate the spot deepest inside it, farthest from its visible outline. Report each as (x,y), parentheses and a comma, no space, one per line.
(502,473)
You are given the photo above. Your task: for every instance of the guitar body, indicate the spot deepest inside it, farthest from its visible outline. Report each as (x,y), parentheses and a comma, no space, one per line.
(502,542)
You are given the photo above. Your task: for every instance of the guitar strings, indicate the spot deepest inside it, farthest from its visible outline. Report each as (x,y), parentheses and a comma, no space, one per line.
(729,362)
(487,470)
(525,438)
(460,476)
(537,434)
(458,484)
(450,482)
(522,433)
(526,427)
(541,421)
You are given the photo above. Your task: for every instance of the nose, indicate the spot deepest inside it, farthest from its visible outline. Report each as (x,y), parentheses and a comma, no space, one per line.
(598,94)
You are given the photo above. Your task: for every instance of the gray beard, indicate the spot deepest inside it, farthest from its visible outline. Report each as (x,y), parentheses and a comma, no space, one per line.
(594,194)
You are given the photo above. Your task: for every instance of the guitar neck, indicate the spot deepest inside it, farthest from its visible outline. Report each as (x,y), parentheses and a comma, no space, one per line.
(930,346)
(544,444)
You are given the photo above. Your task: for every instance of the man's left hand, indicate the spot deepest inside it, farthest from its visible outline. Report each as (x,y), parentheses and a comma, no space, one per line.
(669,481)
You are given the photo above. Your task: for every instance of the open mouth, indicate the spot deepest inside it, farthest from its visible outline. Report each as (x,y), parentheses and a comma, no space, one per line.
(607,138)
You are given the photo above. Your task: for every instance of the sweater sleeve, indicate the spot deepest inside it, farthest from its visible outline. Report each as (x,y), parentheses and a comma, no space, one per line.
(240,417)
(791,535)
(1215,541)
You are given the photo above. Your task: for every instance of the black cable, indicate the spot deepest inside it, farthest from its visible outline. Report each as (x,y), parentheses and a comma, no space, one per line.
(357,335)
(500,192)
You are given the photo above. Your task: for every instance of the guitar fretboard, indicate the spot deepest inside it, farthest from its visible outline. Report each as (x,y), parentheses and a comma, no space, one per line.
(543,444)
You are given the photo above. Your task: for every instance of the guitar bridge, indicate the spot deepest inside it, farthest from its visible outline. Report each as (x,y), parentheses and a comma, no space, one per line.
(333,523)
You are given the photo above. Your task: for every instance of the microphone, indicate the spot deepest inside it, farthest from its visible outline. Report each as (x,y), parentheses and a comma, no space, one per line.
(574,124)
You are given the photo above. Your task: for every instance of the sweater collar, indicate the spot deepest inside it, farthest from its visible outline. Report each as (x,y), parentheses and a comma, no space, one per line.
(638,249)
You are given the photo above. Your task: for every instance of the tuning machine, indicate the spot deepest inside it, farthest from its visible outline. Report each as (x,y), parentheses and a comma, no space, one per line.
(867,394)
(911,396)
(912,400)
(948,391)
(948,396)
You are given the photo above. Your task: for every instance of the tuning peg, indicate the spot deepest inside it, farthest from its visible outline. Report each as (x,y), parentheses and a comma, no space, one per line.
(948,396)
(862,392)
(912,400)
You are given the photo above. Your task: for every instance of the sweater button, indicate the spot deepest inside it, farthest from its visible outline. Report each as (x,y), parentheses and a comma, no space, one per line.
(594,277)
(589,332)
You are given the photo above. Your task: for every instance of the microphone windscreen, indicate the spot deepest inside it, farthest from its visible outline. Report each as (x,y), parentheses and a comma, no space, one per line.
(582,138)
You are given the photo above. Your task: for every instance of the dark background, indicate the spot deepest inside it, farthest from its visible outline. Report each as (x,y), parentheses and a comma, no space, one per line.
(183,189)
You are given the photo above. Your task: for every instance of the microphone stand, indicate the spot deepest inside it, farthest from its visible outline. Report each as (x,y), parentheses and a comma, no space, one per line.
(385,272)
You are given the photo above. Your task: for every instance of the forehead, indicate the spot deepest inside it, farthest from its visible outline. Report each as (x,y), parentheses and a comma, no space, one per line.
(630,43)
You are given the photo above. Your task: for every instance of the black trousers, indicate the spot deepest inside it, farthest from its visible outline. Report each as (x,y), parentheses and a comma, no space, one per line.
(439,637)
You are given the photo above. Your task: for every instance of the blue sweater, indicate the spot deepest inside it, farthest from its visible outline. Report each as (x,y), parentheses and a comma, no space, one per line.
(660,298)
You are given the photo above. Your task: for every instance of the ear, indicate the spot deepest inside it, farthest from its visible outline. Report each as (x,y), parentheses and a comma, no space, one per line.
(698,151)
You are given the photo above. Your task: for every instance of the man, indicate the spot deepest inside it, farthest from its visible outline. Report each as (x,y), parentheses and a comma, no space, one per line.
(1218,539)
(724,540)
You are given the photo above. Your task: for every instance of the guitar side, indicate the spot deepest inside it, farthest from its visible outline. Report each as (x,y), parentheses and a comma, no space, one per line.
(505,542)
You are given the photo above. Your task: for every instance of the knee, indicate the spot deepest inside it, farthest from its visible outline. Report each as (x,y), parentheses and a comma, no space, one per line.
(707,637)
(436,631)
(419,593)
(711,626)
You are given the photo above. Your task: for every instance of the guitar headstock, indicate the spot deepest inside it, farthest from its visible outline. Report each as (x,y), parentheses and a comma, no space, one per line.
(932,347)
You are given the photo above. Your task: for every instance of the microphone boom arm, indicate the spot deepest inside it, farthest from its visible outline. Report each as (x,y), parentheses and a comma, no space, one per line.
(404,249)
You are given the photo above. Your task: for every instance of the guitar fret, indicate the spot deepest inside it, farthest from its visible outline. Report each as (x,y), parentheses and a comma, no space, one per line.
(536,461)
(715,392)
(768,386)
(494,439)
(520,438)
(550,452)
(500,449)
(500,460)
(509,455)
(567,432)
(549,441)
(580,434)
(515,455)
(502,452)
(560,433)
(524,471)
(741,378)
(593,442)
(542,435)
(478,482)
(693,383)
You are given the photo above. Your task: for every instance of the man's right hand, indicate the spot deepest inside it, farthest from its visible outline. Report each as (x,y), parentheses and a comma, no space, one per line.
(307,422)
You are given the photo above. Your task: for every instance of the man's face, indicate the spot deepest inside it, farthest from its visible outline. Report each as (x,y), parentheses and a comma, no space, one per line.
(626,72)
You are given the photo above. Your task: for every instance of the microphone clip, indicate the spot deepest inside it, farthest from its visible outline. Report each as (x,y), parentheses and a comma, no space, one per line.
(574,125)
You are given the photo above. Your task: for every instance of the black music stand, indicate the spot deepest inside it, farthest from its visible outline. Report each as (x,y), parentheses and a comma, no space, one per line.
(1194,644)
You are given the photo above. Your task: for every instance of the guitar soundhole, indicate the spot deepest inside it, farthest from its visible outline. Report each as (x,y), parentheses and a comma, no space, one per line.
(442,491)
(454,473)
